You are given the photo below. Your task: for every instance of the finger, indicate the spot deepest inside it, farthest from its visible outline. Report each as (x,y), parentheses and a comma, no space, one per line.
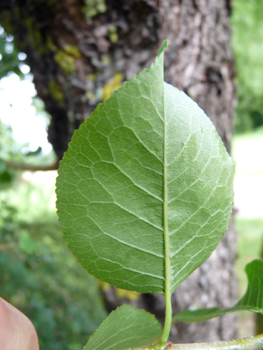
(16,330)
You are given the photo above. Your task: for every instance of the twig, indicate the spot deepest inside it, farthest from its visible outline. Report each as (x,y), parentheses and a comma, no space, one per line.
(29,167)
(251,343)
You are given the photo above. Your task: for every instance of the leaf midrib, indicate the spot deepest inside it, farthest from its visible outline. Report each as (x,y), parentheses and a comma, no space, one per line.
(165,210)
(167,262)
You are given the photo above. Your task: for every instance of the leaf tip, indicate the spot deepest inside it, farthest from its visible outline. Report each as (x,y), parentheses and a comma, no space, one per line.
(164,46)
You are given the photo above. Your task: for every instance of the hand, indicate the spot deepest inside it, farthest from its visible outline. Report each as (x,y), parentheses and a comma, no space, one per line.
(16,330)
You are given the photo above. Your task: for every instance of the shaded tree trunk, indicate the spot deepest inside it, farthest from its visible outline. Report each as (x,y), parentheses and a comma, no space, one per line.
(75,50)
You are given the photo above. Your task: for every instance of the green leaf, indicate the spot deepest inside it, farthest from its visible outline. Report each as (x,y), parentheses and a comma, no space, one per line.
(145,189)
(253,297)
(251,301)
(125,328)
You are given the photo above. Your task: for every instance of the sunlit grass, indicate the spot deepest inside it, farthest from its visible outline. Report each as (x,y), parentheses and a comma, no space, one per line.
(249,246)
(247,152)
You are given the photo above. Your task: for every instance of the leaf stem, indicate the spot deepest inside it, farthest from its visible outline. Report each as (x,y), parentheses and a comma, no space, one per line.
(168,318)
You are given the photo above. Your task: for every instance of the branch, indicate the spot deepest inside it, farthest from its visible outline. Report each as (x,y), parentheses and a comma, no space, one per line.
(29,167)
(251,343)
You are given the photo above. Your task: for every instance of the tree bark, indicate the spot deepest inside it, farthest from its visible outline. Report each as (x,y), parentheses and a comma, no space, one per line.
(74,51)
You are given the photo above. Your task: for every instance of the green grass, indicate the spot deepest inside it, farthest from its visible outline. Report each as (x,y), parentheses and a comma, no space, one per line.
(247,151)
(249,246)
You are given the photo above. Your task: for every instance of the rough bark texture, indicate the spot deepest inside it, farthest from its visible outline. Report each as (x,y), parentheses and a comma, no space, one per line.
(73,58)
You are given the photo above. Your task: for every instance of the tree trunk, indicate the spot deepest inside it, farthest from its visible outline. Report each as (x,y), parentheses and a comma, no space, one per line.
(74,51)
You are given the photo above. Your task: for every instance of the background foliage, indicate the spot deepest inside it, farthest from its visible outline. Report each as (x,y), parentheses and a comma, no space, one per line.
(41,278)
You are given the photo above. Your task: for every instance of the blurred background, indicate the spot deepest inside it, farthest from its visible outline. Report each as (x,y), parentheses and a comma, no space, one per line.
(37,272)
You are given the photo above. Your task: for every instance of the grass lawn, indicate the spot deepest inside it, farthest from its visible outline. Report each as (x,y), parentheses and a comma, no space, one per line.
(249,245)
(247,151)
(248,155)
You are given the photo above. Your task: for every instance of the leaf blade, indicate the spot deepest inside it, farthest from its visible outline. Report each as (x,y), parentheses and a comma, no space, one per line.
(117,161)
(251,301)
(126,327)
(140,198)
(200,185)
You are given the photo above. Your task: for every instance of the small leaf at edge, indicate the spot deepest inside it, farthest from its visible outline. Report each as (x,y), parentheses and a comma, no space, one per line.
(125,328)
(251,301)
